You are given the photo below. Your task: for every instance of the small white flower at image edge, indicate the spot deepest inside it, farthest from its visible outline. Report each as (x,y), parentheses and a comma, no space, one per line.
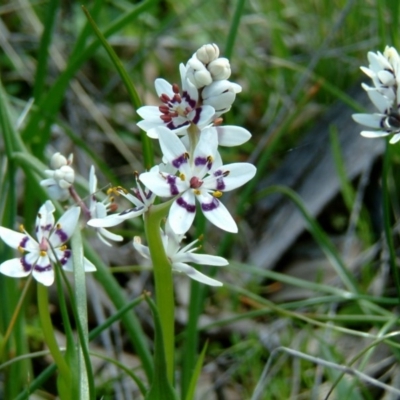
(40,256)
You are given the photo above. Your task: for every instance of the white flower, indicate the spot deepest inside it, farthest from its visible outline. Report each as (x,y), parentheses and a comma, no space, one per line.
(180,257)
(142,199)
(40,256)
(99,210)
(178,110)
(220,95)
(384,70)
(60,178)
(201,177)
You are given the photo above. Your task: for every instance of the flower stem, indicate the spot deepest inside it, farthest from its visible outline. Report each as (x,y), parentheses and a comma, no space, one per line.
(163,282)
(43,304)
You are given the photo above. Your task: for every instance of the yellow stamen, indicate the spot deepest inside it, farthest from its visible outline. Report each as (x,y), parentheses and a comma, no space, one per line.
(22,228)
(63,247)
(43,253)
(21,249)
(182,176)
(217,194)
(210,159)
(196,191)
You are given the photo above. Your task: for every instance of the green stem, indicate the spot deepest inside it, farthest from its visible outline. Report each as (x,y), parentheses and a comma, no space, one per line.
(47,327)
(163,282)
(387,217)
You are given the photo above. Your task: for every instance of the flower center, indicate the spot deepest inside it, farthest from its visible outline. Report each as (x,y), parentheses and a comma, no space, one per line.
(173,107)
(195,182)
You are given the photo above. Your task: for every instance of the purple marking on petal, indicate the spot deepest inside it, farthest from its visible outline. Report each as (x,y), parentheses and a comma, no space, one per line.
(220,180)
(197,114)
(210,206)
(179,161)
(47,228)
(188,99)
(42,269)
(171,180)
(200,161)
(27,267)
(131,209)
(23,242)
(66,257)
(172,126)
(61,234)
(188,207)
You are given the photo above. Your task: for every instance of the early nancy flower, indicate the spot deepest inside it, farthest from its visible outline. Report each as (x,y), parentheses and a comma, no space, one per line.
(179,109)
(141,198)
(180,257)
(201,177)
(40,256)
(384,70)
(99,210)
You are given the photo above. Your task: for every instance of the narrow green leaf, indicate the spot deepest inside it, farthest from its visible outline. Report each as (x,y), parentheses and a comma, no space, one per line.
(234,28)
(118,297)
(49,371)
(196,374)
(45,43)
(146,144)
(161,387)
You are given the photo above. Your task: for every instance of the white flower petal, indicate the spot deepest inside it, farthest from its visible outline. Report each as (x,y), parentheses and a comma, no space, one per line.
(201,259)
(374,134)
(65,227)
(173,149)
(88,265)
(43,271)
(182,213)
(44,220)
(109,235)
(239,174)
(147,125)
(217,213)
(16,239)
(229,135)
(149,113)
(194,274)
(92,180)
(370,120)
(14,268)
(163,87)
(107,222)
(395,138)
(140,248)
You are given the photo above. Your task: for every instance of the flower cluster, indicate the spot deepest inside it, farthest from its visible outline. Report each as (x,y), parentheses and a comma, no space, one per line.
(191,177)
(384,70)
(189,128)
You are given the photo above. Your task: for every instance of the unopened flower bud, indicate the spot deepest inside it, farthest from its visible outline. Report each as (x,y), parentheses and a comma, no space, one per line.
(197,73)
(57,161)
(207,53)
(65,176)
(220,95)
(220,69)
